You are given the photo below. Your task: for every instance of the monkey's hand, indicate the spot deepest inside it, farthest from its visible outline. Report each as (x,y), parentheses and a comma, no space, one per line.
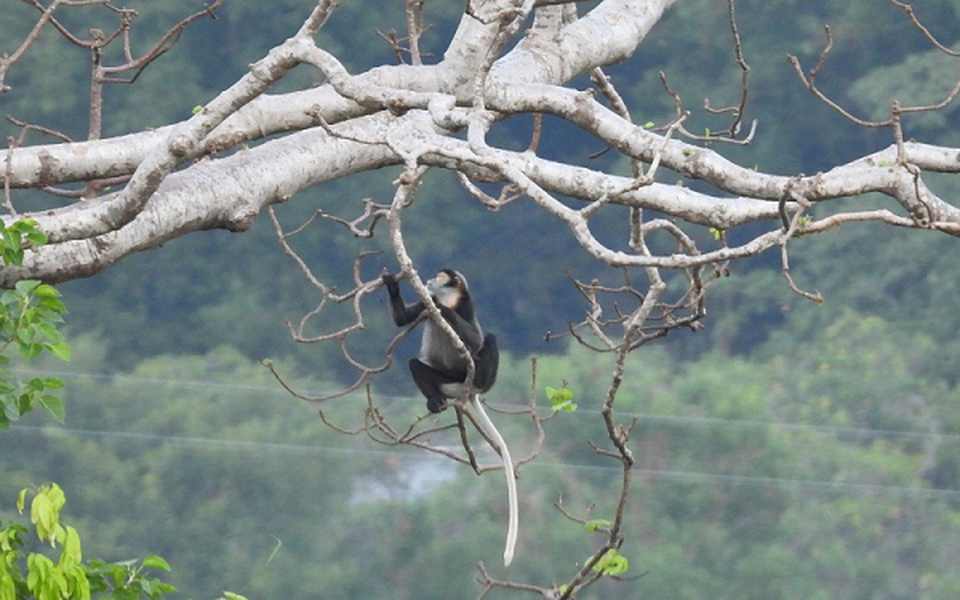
(390,281)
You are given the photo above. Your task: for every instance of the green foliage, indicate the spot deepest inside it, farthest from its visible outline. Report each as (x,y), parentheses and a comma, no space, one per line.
(731,484)
(612,563)
(561,399)
(67,577)
(29,316)
(597,524)
(17,236)
(128,580)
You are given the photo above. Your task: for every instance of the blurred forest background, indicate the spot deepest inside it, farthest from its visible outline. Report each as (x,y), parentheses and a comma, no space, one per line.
(789,450)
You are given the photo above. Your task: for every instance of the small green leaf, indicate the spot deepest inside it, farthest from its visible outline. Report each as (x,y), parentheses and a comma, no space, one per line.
(25,286)
(612,564)
(13,256)
(54,407)
(31,351)
(21,499)
(43,516)
(36,238)
(595,524)
(54,383)
(46,290)
(52,304)
(71,555)
(56,495)
(61,350)
(561,399)
(156,562)
(40,572)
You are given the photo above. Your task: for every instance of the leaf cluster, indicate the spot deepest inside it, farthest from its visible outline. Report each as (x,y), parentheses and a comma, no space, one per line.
(67,577)
(30,314)
(561,399)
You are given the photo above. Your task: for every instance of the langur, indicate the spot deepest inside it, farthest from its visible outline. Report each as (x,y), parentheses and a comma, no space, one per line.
(441,372)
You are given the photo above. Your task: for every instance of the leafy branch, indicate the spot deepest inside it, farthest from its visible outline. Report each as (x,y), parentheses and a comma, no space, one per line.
(68,576)
(30,314)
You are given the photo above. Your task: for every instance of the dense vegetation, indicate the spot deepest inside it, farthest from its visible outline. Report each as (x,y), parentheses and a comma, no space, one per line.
(789,450)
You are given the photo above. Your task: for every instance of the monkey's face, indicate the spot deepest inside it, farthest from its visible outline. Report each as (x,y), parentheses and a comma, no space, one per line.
(448,287)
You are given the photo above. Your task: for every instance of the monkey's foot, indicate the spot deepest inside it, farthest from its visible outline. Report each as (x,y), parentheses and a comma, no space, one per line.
(436,405)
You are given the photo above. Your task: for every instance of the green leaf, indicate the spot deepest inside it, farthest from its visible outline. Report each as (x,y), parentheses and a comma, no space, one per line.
(36,238)
(156,562)
(51,304)
(71,555)
(13,256)
(25,286)
(8,590)
(9,298)
(30,351)
(612,564)
(595,524)
(43,516)
(61,350)
(54,407)
(40,568)
(46,290)
(57,497)
(561,399)
(54,383)
(166,588)
(45,513)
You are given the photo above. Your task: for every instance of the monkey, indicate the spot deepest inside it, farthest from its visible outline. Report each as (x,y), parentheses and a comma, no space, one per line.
(440,372)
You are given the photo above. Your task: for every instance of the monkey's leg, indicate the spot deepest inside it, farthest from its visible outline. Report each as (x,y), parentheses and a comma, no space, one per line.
(429,381)
(486,363)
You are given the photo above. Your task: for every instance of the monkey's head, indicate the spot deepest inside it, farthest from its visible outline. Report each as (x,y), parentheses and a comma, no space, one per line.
(449,287)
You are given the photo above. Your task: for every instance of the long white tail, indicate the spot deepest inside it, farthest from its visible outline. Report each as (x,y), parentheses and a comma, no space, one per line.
(514,520)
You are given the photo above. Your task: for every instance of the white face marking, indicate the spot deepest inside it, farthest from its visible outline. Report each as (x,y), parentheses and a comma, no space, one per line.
(446,294)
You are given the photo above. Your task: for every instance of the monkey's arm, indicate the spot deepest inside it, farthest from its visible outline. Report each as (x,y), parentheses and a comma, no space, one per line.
(403,314)
(465,329)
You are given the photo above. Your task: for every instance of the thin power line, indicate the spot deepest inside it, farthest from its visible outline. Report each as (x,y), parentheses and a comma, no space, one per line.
(857,432)
(651,474)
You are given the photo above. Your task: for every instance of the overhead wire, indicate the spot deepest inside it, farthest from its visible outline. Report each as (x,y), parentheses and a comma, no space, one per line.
(698,420)
(675,476)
